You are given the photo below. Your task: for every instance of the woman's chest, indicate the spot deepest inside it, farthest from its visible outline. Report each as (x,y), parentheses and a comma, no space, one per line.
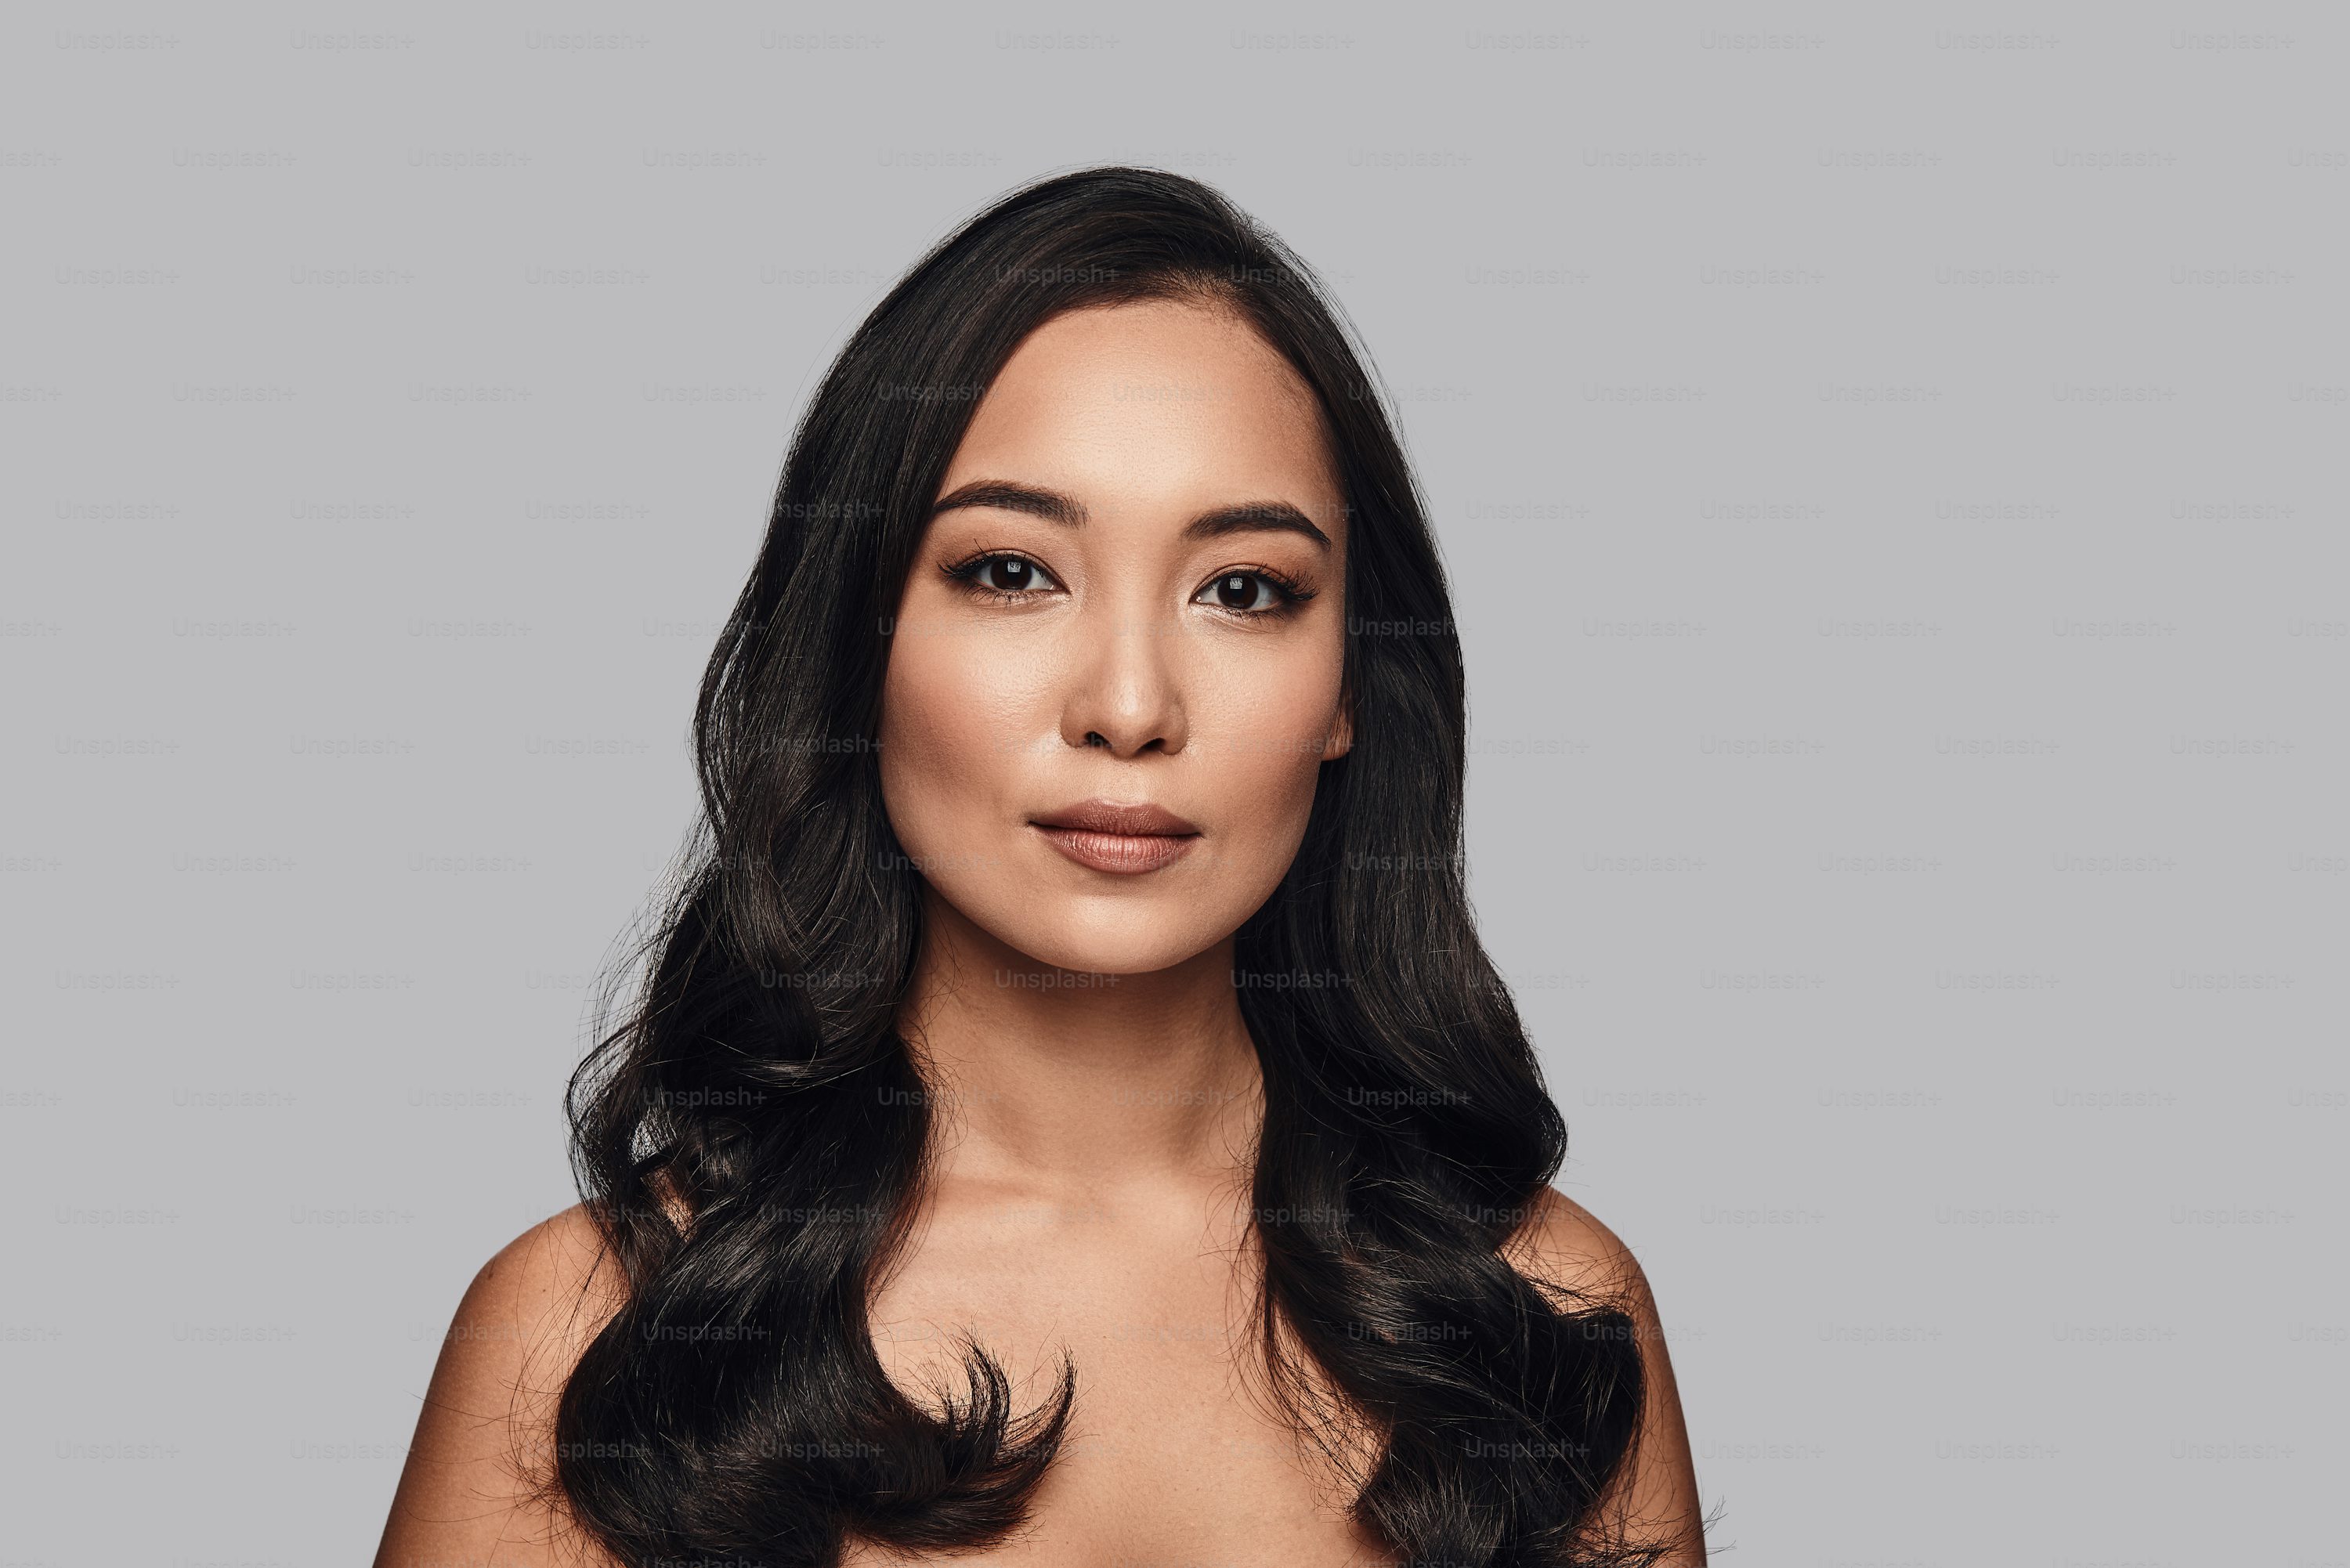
(1175,1456)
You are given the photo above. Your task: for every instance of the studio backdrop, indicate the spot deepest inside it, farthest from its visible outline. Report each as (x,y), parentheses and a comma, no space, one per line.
(1889,465)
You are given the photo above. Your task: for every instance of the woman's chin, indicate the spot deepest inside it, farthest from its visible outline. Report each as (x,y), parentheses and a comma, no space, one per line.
(1130,939)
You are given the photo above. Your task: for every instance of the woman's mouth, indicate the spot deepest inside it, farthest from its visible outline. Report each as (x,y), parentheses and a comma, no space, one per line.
(1124,840)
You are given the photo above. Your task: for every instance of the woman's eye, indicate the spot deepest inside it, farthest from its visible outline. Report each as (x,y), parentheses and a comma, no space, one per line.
(1239,591)
(1007,574)
(1243,591)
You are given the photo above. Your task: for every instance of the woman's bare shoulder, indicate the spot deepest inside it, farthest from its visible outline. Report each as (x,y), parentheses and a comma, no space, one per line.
(475,1486)
(558,1282)
(1654,1497)
(1563,1243)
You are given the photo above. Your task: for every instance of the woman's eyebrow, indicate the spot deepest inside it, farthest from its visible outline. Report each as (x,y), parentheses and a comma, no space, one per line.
(1243,517)
(1007,496)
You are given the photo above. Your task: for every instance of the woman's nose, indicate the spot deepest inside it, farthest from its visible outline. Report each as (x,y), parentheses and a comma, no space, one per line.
(1125,687)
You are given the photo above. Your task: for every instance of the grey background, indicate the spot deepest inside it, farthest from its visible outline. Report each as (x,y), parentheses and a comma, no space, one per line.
(1889,464)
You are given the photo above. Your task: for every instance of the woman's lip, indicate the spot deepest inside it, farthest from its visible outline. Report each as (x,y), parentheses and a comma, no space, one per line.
(1097,815)
(1121,854)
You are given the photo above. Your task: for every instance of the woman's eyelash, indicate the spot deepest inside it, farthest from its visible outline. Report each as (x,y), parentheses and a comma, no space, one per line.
(967,573)
(1293,592)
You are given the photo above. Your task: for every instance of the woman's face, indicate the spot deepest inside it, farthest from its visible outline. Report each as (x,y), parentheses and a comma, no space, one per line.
(1101,611)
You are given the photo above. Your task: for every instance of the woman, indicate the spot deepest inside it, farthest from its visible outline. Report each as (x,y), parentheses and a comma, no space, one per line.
(1069,1117)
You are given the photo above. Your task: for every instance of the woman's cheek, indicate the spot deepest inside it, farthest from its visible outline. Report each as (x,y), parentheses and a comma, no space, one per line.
(1269,757)
(955,718)
(920,740)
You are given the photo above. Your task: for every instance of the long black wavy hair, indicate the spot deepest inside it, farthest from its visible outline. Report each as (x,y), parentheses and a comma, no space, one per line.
(751,1136)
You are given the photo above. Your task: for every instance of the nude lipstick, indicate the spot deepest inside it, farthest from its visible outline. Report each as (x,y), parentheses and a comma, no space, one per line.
(1124,840)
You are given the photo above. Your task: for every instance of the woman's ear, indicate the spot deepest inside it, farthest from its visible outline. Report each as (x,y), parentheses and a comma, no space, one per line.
(1341,739)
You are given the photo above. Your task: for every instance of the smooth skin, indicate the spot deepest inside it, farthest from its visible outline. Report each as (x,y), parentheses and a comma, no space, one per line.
(1098,1092)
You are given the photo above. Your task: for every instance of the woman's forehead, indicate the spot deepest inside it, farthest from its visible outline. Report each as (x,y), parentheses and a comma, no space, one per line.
(1153,404)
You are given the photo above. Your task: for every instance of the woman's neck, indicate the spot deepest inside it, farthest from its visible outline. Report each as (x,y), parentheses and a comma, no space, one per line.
(1068,1082)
